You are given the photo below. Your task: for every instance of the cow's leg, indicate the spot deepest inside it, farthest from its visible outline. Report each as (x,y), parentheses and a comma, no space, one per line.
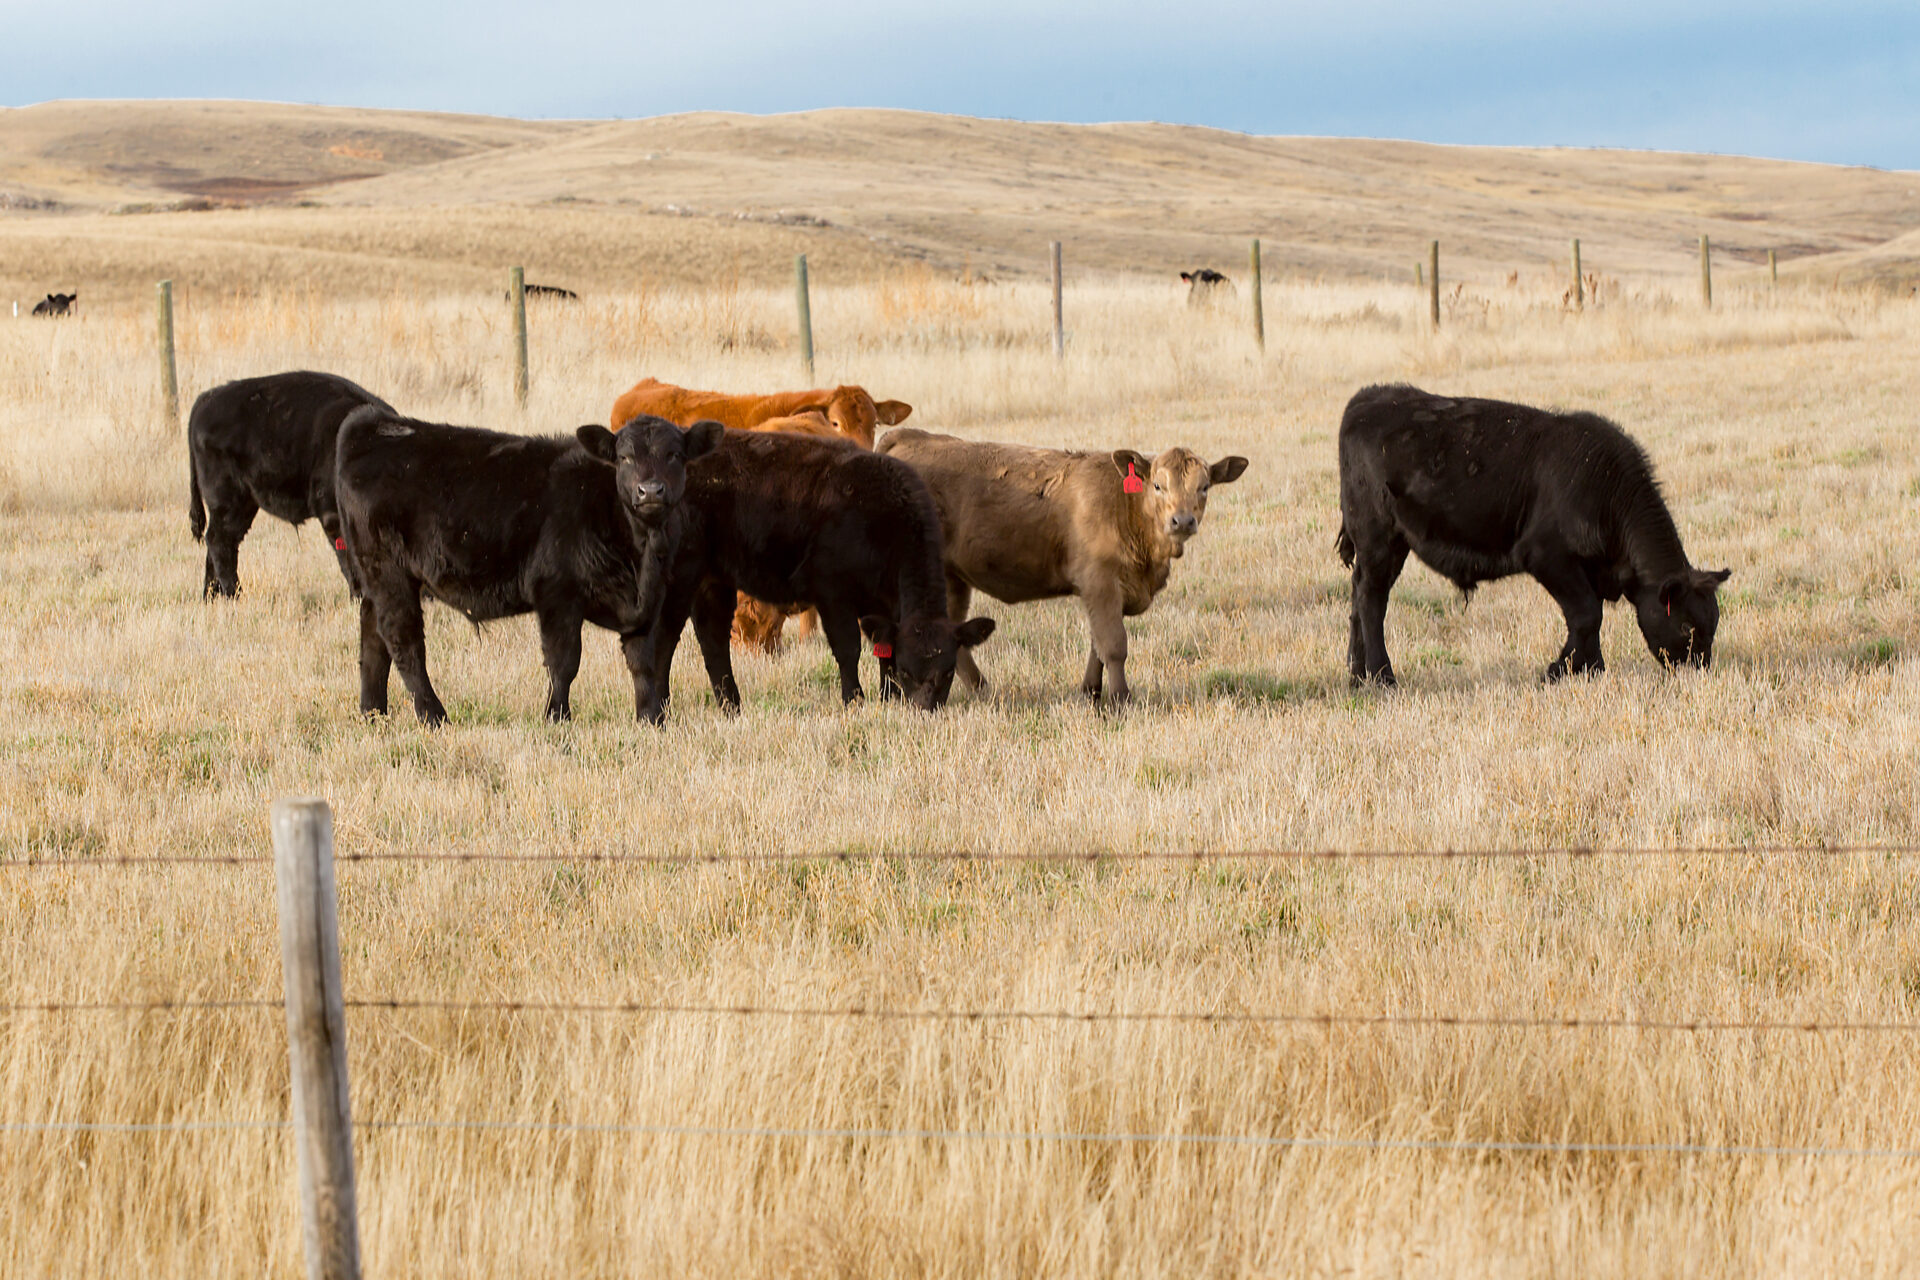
(375,662)
(560,648)
(959,600)
(1573,591)
(713,628)
(229,516)
(841,626)
(649,656)
(1109,625)
(1373,578)
(330,525)
(404,629)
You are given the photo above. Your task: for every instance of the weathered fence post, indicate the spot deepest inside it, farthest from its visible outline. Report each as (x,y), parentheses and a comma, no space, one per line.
(1773,268)
(169,379)
(316,1036)
(804,303)
(1259,313)
(1433,283)
(1706,275)
(1579,285)
(1059,319)
(1419,275)
(517,291)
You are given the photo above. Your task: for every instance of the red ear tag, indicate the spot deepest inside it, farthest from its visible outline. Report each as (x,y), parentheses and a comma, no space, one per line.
(1133,483)
(882,650)
(339,544)
(1669,607)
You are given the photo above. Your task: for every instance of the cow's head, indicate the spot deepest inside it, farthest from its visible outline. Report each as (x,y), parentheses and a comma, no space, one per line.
(1679,616)
(922,650)
(853,413)
(1171,493)
(650,457)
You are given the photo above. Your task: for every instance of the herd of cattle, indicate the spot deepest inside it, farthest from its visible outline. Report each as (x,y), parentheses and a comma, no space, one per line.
(739,511)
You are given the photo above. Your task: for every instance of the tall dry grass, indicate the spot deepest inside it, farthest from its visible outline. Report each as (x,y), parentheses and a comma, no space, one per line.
(137,719)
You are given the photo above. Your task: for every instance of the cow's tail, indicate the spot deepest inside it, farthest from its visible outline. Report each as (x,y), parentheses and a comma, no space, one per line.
(1343,543)
(196,509)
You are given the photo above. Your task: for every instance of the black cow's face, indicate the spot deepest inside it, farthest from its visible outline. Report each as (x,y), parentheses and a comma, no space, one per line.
(1678,617)
(1172,489)
(923,652)
(650,457)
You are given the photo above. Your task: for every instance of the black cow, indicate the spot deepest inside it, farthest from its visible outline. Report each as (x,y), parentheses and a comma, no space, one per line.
(56,304)
(1205,285)
(794,519)
(571,528)
(553,291)
(265,444)
(1481,489)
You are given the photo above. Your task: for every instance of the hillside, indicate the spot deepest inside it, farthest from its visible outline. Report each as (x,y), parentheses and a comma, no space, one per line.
(105,195)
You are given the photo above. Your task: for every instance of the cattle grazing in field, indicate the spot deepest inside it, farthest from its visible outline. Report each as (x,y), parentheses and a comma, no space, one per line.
(790,518)
(1205,285)
(849,410)
(551,292)
(573,529)
(1030,524)
(1481,489)
(55,304)
(265,444)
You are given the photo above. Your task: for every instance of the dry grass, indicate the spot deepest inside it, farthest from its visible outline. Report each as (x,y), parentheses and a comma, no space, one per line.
(137,719)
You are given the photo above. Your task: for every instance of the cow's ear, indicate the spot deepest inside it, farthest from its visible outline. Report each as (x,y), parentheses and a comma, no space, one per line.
(1123,458)
(1227,470)
(596,440)
(879,628)
(704,437)
(1187,276)
(1710,579)
(892,412)
(973,631)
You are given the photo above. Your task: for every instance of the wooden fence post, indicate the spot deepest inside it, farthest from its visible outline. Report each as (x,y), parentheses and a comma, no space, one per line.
(804,303)
(1433,283)
(169,379)
(1706,275)
(1059,319)
(1259,313)
(1579,285)
(1773,268)
(316,1036)
(1419,275)
(517,291)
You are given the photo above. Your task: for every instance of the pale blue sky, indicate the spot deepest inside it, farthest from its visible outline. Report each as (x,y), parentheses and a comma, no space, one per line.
(1836,82)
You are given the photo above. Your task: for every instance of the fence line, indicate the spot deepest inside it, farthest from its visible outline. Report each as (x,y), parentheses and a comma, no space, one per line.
(1272,1141)
(963,856)
(1460,1021)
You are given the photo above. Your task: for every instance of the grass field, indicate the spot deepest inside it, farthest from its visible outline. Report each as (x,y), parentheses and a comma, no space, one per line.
(137,719)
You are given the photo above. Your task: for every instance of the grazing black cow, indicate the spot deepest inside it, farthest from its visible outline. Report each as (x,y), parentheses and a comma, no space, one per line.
(265,444)
(55,304)
(1205,285)
(571,528)
(552,291)
(794,519)
(1481,489)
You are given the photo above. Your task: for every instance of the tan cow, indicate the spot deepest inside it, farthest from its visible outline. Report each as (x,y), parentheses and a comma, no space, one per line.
(1029,524)
(849,410)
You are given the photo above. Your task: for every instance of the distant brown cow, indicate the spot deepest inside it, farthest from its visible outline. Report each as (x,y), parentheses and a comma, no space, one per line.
(1029,524)
(850,411)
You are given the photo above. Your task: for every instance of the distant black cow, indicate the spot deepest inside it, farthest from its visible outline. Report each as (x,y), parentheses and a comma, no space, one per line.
(56,304)
(265,444)
(1481,489)
(553,291)
(571,528)
(793,519)
(1205,285)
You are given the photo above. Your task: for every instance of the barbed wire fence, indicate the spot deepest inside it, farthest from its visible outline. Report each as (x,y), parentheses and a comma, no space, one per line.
(315,1007)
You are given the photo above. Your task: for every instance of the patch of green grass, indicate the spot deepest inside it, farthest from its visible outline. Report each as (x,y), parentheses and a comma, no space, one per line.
(1251,686)
(1869,655)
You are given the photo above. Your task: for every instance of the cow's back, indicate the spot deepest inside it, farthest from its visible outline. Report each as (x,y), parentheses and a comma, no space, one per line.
(274,436)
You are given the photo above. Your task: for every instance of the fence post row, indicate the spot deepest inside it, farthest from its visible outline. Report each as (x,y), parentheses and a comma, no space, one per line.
(1059,322)
(1259,313)
(517,294)
(169,378)
(1579,285)
(1433,283)
(1706,275)
(804,303)
(317,1035)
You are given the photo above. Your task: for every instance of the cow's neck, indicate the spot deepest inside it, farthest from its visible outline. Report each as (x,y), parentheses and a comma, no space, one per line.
(787,403)
(1154,549)
(1650,540)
